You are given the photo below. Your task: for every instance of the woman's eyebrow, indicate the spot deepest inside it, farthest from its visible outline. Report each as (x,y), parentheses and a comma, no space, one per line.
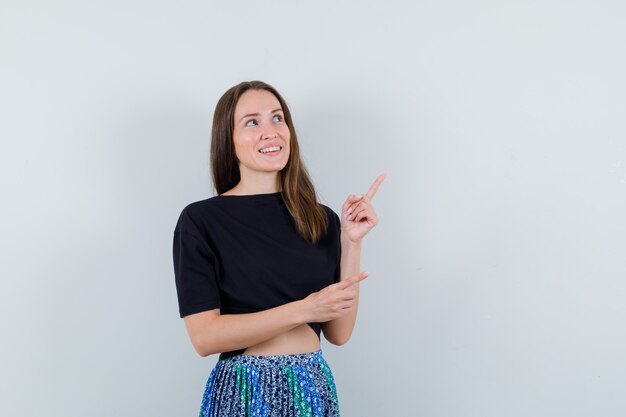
(257,114)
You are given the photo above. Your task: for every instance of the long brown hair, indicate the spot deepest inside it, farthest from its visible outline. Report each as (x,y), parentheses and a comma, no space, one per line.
(298,192)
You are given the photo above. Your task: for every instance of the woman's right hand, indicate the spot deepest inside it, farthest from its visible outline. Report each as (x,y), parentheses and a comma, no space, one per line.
(333,301)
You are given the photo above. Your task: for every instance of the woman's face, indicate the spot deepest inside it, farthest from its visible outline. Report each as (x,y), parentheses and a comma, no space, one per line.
(260,124)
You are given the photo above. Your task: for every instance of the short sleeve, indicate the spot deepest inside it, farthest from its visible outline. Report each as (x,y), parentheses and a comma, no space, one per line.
(337,240)
(195,272)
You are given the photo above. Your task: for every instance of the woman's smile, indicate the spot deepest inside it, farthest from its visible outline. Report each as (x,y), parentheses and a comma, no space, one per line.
(270,150)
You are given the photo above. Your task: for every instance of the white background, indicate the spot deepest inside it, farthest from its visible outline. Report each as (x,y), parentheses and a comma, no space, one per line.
(498,272)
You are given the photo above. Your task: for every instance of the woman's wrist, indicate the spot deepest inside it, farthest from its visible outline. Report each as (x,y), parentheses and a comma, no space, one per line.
(347,243)
(302,312)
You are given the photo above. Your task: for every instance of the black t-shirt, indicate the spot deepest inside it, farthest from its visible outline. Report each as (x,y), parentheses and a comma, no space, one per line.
(242,254)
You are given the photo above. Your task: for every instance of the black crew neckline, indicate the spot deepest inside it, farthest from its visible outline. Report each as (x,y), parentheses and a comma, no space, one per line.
(262,196)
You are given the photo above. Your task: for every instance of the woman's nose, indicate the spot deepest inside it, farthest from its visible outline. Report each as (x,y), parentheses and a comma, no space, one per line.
(270,134)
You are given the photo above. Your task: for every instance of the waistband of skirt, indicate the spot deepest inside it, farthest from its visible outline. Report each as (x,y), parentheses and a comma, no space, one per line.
(307,358)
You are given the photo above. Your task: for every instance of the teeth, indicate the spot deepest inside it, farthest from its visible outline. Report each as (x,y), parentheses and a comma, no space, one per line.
(270,149)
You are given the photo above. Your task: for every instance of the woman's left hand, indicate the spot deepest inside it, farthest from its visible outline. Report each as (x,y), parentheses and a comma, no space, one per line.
(357,213)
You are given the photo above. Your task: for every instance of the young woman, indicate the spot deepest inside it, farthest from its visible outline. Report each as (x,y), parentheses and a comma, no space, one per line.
(262,268)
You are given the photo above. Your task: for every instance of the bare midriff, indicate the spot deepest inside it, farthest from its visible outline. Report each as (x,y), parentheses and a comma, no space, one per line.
(301,339)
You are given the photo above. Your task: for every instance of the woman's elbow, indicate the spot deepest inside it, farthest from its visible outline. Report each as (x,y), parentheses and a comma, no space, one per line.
(201,350)
(201,327)
(336,340)
(203,347)
(342,342)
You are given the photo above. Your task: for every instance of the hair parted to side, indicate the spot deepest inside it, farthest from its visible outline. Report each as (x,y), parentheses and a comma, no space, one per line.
(298,191)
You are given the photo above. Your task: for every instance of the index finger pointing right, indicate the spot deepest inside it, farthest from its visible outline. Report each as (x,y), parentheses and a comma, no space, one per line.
(353,279)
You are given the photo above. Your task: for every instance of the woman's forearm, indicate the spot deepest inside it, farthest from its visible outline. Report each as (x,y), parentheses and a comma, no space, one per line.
(230,332)
(338,331)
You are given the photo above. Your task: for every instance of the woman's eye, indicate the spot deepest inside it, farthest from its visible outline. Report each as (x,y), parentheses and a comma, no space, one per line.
(276,116)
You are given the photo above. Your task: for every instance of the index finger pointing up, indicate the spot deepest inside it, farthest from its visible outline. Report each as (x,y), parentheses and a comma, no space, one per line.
(374,187)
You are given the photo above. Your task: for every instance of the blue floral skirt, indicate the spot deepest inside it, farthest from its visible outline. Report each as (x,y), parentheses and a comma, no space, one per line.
(295,385)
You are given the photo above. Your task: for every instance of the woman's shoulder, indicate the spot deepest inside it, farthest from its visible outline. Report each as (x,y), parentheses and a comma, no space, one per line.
(200,205)
(200,208)
(331,213)
(196,214)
